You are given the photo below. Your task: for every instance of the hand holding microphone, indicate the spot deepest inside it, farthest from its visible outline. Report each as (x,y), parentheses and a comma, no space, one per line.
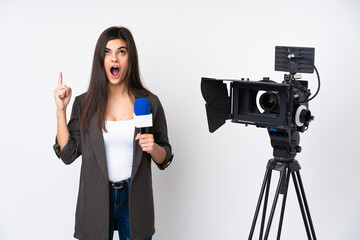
(143,120)
(146,142)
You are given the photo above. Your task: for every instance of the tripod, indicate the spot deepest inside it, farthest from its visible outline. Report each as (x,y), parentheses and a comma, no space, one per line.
(286,166)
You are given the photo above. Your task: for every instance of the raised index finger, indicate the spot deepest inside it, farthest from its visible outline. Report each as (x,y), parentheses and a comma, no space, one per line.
(60,80)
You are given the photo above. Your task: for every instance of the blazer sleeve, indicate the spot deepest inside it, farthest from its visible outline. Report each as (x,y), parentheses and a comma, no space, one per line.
(160,132)
(72,149)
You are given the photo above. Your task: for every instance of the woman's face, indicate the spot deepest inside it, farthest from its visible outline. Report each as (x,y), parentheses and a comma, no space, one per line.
(116,61)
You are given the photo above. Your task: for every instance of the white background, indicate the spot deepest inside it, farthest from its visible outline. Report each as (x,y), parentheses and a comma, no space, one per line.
(211,188)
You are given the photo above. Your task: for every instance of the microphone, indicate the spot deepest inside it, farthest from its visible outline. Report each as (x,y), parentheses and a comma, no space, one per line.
(142,116)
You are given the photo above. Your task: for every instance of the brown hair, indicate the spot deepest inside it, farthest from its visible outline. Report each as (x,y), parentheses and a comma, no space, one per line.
(96,96)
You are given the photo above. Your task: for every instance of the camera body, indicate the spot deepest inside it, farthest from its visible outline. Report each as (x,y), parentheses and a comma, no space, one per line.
(263,103)
(269,104)
(282,108)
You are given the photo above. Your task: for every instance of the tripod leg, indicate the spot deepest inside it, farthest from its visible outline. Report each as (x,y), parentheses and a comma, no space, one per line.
(301,205)
(281,179)
(266,181)
(283,204)
(265,206)
(306,205)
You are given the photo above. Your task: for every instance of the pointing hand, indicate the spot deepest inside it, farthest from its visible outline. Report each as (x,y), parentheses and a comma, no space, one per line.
(62,94)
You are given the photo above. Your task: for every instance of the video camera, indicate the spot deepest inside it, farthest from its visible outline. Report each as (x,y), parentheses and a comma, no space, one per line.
(282,108)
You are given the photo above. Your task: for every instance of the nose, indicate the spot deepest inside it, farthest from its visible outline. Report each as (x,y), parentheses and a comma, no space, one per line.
(114,58)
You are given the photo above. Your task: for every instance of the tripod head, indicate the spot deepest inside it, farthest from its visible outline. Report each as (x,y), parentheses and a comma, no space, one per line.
(285,144)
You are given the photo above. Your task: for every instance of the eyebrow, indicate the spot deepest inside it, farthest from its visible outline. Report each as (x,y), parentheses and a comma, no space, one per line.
(108,49)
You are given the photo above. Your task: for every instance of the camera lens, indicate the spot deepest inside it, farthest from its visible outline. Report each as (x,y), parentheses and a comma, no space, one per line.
(269,101)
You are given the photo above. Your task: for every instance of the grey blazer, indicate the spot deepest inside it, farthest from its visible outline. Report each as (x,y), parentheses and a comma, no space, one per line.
(92,211)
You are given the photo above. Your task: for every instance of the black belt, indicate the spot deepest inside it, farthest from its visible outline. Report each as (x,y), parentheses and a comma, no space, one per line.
(120,185)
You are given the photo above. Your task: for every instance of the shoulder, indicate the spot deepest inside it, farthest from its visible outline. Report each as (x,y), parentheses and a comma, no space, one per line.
(154,102)
(153,98)
(78,102)
(81,97)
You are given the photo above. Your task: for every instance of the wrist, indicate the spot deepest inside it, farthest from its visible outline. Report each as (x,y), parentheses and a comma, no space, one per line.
(61,111)
(155,149)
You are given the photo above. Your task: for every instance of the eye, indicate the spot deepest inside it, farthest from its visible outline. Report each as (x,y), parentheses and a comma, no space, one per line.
(122,52)
(107,52)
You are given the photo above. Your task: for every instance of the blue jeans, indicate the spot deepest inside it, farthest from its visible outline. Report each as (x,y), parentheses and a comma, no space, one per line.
(119,213)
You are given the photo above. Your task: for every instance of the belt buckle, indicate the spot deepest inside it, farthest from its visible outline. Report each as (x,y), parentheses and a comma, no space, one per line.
(118,185)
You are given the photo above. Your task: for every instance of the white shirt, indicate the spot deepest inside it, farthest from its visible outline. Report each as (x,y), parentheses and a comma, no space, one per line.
(119,148)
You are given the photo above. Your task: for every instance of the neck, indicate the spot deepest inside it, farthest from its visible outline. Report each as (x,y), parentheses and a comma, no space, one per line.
(118,91)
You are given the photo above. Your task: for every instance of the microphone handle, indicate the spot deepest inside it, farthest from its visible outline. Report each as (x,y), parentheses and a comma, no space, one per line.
(146,130)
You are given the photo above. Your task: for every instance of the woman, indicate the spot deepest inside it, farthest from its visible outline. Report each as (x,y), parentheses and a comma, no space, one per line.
(115,189)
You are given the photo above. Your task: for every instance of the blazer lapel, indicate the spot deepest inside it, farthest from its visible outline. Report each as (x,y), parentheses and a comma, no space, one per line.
(97,141)
(137,156)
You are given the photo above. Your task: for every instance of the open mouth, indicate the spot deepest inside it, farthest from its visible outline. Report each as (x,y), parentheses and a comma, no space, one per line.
(115,71)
